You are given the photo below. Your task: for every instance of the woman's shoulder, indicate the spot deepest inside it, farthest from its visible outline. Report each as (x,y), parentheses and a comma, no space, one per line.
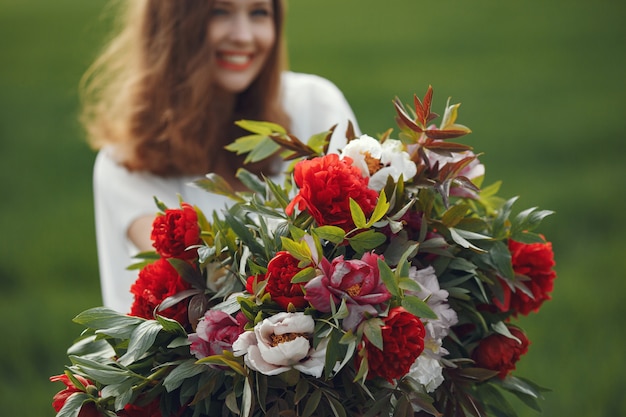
(303,89)
(113,179)
(300,82)
(303,80)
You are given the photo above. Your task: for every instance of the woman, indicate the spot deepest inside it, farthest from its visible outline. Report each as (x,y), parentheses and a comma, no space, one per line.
(160,105)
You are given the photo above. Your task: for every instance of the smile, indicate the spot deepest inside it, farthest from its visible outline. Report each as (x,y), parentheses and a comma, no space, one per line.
(234,61)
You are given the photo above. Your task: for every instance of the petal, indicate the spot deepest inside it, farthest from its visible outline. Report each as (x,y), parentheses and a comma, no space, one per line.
(286,353)
(255,361)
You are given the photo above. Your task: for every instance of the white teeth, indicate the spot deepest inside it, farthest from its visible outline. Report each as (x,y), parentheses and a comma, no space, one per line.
(236,59)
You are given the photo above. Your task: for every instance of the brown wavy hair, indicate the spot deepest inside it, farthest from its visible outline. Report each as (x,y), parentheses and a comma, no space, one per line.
(150,93)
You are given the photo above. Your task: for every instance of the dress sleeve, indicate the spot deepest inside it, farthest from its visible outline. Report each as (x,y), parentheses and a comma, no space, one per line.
(120,197)
(315,104)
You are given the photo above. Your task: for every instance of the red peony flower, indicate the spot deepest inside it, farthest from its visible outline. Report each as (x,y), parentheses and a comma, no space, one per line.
(326,186)
(534,261)
(250,282)
(58,401)
(500,353)
(175,231)
(403,342)
(280,270)
(155,283)
(152,409)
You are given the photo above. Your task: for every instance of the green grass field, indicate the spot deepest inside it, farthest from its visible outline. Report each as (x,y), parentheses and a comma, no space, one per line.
(542,86)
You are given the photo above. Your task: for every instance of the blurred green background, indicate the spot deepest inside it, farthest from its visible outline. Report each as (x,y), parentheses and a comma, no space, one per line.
(542,86)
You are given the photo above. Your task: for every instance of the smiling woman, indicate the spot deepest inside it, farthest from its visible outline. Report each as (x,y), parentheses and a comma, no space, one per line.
(242,35)
(160,105)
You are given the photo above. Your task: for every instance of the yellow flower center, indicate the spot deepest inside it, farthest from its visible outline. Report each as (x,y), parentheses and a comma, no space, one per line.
(354,290)
(277,339)
(373,164)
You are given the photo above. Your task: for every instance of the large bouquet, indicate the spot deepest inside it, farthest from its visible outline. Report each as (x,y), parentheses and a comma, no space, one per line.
(383,280)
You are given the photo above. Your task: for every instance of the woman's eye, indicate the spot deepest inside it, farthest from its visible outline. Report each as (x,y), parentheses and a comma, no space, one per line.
(218,11)
(261,12)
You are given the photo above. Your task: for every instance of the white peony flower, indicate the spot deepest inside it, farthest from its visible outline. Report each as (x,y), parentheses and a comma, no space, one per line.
(379,161)
(437,300)
(427,368)
(281,342)
(428,372)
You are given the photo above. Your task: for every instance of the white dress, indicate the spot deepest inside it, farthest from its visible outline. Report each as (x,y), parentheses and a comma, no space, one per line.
(314,104)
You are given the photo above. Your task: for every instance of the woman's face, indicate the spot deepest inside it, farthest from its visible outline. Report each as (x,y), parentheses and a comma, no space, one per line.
(242,35)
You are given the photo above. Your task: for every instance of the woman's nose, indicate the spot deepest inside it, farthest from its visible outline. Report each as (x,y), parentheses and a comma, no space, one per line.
(241,30)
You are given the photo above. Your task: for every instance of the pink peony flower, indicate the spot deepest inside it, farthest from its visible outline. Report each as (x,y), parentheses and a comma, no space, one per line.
(216,332)
(356,281)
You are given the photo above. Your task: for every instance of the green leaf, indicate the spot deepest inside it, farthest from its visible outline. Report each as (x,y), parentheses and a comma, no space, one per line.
(529,219)
(408,284)
(215,184)
(342,312)
(171,325)
(502,329)
(454,215)
(226,358)
(388,277)
(491,190)
(403,407)
(350,340)
(425,402)
(302,389)
(418,307)
(245,144)
(363,368)
(367,240)
(187,272)
(278,192)
(372,330)
(299,250)
(477,374)
(312,403)
(102,318)
(266,148)
(242,231)
(358,217)
(260,127)
(382,206)
(527,237)
(458,237)
(526,391)
(335,352)
(305,275)
(494,399)
(332,234)
(141,341)
(318,141)
(180,373)
(500,222)
(73,404)
(251,181)
(122,392)
(247,398)
(105,373)
(500,259)
(231,403)
(336,406)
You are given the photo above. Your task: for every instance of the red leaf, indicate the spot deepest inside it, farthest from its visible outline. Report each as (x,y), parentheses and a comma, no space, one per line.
(403,118)
(444,134)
